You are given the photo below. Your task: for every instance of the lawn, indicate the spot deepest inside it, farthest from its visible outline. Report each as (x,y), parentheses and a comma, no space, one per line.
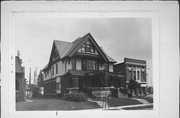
(53,104)
(122,102)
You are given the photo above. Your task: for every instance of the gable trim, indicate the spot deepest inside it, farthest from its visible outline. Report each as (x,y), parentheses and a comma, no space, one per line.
(86,37)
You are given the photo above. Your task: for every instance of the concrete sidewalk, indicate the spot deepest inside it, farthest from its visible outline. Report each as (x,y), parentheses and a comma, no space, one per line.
(143,101)
(102,105)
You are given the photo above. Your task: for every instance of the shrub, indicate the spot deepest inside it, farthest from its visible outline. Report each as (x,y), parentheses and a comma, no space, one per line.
(76,96)
(150,90)
(114,92)
(123,90)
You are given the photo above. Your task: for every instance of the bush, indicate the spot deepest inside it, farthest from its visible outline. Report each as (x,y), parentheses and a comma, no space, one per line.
(114,92)
(123,90)
(76,96)
(35,91)
(150,90)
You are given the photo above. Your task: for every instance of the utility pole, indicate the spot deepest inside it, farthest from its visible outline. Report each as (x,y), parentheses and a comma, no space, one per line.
(30,77)
(35,76)
(30,73)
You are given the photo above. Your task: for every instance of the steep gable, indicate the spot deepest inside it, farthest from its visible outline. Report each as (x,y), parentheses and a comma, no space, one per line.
(68,49)
(82,41)
(58,50)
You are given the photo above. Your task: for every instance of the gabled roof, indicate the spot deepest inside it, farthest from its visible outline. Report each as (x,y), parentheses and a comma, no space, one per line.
(19,68)
(62,47)
(109,58)
(68,49)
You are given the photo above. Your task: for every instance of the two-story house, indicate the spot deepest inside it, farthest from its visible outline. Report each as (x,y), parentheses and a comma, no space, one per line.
(79,65)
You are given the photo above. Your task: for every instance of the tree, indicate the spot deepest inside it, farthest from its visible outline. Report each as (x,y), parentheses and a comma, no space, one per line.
(133,86)
(40,79)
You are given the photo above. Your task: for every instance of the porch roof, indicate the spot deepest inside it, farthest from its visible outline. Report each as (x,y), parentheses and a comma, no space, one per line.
(92,73)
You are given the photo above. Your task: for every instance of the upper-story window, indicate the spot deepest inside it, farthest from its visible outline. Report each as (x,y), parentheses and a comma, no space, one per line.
(106,67)
(89,64)
(88,48)
(52,70)
(56,68)
(143,76)
(134,75)
(73,61)
(138,76)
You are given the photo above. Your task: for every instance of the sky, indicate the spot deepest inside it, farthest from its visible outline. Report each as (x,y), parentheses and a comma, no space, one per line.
(119,37)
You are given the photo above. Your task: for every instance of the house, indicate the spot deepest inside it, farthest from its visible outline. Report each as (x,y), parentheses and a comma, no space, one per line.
(81,65)
(20,80)
(133,69)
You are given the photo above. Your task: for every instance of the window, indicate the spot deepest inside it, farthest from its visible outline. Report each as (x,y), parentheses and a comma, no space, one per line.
(134,73)
(52,70)
(75,82)
(138,77)
(88,48)
(83,48)
(92,50)
(84,66)
(89,64)
(130,74)
(143,77)
(56,68)
(73,61)
(106,67)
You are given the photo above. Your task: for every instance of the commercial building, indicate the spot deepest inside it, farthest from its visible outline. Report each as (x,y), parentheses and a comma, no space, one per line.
(133,69)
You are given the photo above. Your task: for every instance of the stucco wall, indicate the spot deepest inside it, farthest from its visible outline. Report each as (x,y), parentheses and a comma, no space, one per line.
(110,67)
(78,64)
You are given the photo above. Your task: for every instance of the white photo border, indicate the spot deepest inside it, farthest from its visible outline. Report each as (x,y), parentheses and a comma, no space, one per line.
(11,10)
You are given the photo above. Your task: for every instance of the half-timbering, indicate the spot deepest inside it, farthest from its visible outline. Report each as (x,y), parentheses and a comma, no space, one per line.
(81,65)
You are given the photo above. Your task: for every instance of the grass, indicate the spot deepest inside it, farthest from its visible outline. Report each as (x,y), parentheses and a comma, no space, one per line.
(53,104)
(139,107)
(122,102)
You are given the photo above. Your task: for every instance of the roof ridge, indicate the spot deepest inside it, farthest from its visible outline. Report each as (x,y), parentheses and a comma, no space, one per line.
(62,41)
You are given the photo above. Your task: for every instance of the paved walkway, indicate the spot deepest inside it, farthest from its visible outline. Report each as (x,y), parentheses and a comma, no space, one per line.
(100,103)
(143,101)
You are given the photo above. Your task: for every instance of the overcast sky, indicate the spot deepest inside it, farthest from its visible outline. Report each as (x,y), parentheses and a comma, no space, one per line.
(120,38)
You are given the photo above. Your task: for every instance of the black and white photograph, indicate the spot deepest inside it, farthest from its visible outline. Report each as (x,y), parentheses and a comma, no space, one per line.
(84,64)
(74,60)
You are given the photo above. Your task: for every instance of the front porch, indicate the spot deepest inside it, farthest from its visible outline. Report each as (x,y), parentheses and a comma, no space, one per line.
(97,83)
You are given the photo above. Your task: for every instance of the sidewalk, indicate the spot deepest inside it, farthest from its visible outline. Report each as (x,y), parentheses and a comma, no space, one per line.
(141,100)
(100,103)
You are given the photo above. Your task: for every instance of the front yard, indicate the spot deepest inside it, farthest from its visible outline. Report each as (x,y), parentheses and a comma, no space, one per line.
(94,103)
(53,104)
(114,102)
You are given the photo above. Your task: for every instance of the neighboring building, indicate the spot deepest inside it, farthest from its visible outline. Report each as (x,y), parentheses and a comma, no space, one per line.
(20,80)
(133,69)
(81,65)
